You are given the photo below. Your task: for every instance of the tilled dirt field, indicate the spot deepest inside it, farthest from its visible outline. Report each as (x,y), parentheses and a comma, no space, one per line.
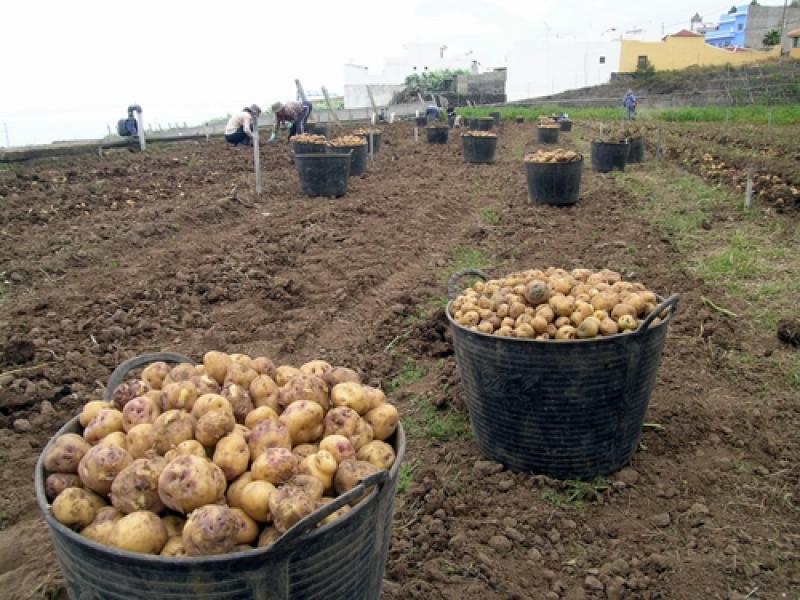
(103,260)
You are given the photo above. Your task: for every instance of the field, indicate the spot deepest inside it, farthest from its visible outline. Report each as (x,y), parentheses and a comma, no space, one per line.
(170,250)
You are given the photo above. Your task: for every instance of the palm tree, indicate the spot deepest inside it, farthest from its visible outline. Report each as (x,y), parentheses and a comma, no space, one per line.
(772,38)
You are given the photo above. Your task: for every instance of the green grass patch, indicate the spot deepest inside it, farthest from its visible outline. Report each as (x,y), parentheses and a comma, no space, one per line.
(434,424)
(410,373)
(466,257)
(576,492)
(406,475)
(490,216)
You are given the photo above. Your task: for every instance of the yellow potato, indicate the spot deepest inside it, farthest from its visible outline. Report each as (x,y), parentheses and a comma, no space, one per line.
(271,433)
(255,500)
(90,409)
(188,482)
(264,392)
(154,374)
(350,473)
(205,384)
(338,446)
(174,547)
(58,482)
(180,395)
(232,455)
(627,323)
(213,426)
(239,399)
(621,310)
(100,528)
(284,373)
(186,448)
(342,421)
(304,421)
(100,465)
(340,375)
(136,486)
(117,438)
(320,368)
(378,453)
(76,507)
(234,494)
(334,515)
(275,465)
(140,531)
(268,536)
(173,524)
(241,374)
(171,428)
(303,450)
(309,484)
(304,387)
(608,327)
(208,402)
(383,421)
(247,528)
(567,332)
(141,441)
(288,505)
(363,435)
(216,364)
(212,530)
(255,416)
(588,328)
(104,422)
(65,453)
(263,366)
(127,391)
(321,465)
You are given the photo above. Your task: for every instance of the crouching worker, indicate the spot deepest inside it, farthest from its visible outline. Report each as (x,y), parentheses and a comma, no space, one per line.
(296,113)
(240,127)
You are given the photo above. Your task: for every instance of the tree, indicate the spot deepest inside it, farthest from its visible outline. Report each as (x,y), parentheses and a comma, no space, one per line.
(754,3)
(772,38)
(732,10)
(644,70)
(433,81)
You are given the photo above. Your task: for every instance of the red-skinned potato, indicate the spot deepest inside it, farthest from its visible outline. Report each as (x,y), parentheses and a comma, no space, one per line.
(189,482)
(338,446)
(341,375)
(241,374)
(352,395)
(66,453)
(276,465)
(100,465)
(303,450)
(362,436)
(90,409)
(239,399)
(139,410)
(210,530)
(383,421)
(100,528)
(303,419)
(104,422)
(142,441)
(320,368)
(140,531)
(58,482)
(342,421)
(304,387)
(136,486)
(154,374)
(171,428)
(288,505)
(264,392)
(179,395)
(321,465)
(234,493)
(247,528)
(232,455)
(271,433)
(255,416)
(216,364)
(284,373)
(127,391)
(378,453)
(208,402)
(76,507)
(213,426)
(255,498)
(173,524)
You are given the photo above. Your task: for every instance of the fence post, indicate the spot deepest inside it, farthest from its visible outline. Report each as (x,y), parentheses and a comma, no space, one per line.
(257,157)
(658,144)
(748,193)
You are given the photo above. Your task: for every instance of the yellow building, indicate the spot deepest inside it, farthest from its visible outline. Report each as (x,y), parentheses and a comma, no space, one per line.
(686,49)
(794,52)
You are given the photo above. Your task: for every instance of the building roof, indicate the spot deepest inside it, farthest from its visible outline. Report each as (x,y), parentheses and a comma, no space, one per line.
(795,33)
(683,33)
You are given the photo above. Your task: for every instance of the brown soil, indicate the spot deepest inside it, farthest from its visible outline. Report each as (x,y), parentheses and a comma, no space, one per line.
(103,260)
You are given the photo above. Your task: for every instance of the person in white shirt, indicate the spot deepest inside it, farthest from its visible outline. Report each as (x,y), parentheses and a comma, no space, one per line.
(240,127)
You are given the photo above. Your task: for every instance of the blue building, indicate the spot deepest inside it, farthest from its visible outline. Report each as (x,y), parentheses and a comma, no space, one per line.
(731,30)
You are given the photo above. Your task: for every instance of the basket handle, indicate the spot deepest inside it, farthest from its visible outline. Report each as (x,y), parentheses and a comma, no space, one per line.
(311,521)
(121,372)
(452,283)
(670,303)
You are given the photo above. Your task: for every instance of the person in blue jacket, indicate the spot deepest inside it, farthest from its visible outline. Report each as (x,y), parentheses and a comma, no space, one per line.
(629,102)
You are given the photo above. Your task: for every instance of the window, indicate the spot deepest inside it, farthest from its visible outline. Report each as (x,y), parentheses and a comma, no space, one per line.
(642,62)
(740,26)
(602,60)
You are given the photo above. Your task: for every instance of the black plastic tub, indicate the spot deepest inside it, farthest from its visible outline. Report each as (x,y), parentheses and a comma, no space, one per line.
(547,135)
(479,149)
(567,409)
(437,135)
(358,157)
(421,121)
(323,174)
(635,150)
(609,156)
(496,116)
(473,123)
(565,125)
(557,184)
(375,145)
(303,148)
(344,559)
(485,123)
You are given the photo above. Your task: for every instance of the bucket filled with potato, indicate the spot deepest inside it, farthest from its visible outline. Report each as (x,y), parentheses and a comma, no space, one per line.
(224,479)
(558,366)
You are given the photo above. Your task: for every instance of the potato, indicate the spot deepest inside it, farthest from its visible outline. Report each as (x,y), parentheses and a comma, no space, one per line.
(516,309)
(174,547)
(154,374)
(621,310)
(180,372)
(58,482)
(341,375)
(234,494)
(567,332)
(140,531)
(100,465)
(205,384)
(136,486)
(141,441)
(139,410)
(605,301)
(216,364)
(537,292)
(303,420)
(173,524)
(76,507)
(186,448)
(383,421)
(188,482)
(378,453)
(561,285)
(561,322)
(351,395)
(90,409)
(211,530)
(116,438)
(104,422)
(600,315)
(321,465)
(271,433)
(309,484)
(288,505)
(303,450)
(255,416)
(255,500)
(241,430)
(65,453)
(127,391)
(363,435)
(284,373)
(375,396)
(179,395)
(208,402)
(268,536)
(239,399)
(319,368)
(100,528)
(247,528)
(232,455)
(588,328)
(171,428)
(240,374)
(609,327)
(627,323)
(563,306)
(276,465)
(304,387)
(213,426)
(338,446)
(342,421)
(539,324)
(263,366)
(334,515)
(264,392)
(546,312)
(244,359)
(350,473)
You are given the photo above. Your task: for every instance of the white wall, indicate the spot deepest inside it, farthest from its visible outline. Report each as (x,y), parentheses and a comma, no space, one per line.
(356,96)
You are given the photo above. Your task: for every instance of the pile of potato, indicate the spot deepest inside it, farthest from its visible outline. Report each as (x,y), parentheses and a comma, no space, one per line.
(549,124)
(346,141)
(220,457)
(545,121)
(555,304)
(476,133)
(367,131)
(559,155)
(309,138)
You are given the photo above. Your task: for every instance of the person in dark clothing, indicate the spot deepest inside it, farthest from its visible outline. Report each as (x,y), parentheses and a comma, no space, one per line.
(296,113)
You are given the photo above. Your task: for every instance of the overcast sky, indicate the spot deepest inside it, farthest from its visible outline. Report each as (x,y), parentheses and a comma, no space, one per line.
(69,68)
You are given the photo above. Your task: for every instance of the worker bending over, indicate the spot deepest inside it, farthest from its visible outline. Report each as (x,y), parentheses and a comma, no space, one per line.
(240,127)
(296,113)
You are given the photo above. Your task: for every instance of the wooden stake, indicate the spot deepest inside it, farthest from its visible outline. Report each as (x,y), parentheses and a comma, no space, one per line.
(658,144)
(140,129)
(257,157)
(748,194)
(330,105)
